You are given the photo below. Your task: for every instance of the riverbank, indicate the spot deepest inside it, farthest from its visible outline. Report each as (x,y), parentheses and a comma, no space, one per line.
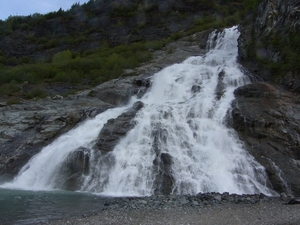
(264,211)
(61,208)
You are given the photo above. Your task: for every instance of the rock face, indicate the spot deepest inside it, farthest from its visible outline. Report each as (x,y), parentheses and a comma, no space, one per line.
(76,165)
(266,114)
(164,179)
(27,127)
(269,45)
(267,120)
(271,16)
(115,129)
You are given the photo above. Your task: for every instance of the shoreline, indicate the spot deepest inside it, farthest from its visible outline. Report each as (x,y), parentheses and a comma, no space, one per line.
(209,208)
(268,211)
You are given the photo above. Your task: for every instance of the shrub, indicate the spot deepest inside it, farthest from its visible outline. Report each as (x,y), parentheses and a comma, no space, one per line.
(142,57)
(51,44)
(155,45)
(36,93)
(13,101)
(10,89)
(250,5)
(12,61)
(2,59)
(62,56)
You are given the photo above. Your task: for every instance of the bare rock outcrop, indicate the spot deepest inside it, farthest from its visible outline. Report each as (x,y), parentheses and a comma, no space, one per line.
(115,129)
(269,44)
(267,120)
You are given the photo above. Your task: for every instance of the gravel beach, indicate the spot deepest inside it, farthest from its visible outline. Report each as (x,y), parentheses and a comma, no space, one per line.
(271,211)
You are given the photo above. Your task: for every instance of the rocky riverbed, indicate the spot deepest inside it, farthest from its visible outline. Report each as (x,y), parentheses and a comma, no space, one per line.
(211,208)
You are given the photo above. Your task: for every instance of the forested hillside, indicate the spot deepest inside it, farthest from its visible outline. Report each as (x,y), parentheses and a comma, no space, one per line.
(94,42)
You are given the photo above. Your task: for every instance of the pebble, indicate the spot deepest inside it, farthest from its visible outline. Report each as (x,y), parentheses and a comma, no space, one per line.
(172,201)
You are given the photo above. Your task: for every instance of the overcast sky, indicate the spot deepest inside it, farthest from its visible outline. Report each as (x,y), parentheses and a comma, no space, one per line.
(29,7)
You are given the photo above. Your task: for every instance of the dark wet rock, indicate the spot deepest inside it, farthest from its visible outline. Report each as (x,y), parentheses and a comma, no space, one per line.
(294,201)
(159,138)
(142,82)
(163,161)
(286,197)
(166,159)
(115,129)
(93,112)
(113,97)
(266,119)
(220,86)
(195,89)
(78,161)
(252,90)
(164,179)
(74,167)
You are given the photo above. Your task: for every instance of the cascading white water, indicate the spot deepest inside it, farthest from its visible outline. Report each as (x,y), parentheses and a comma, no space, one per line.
(40,172)
(184,116)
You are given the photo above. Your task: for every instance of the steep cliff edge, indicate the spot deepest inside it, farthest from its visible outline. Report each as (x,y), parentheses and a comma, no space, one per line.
(270,42)
(266,113)
(267,120)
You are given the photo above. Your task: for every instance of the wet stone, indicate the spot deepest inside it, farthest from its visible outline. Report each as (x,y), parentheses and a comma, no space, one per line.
(183,200)
(143,202)
(195,203)
(218,197)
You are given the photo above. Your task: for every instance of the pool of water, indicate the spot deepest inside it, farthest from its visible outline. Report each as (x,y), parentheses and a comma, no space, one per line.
(30,207)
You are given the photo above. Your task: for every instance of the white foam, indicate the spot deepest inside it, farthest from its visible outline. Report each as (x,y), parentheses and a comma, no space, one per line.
(184,115)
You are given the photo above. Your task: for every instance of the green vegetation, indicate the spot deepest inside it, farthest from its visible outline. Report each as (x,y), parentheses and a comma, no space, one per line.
(250,5)
(12,101)
(289,60)
(59,35)
(97,66)
(36,93)
(10,88)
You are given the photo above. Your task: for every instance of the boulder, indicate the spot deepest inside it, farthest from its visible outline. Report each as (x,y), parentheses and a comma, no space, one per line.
(294,201)
(115,129)
(71,171)
(114,97)
(164,180)
(57,97)
(162,163)
(252,90)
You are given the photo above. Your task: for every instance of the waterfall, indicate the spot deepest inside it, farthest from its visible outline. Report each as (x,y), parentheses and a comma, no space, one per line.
(181,137)
(40,172)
